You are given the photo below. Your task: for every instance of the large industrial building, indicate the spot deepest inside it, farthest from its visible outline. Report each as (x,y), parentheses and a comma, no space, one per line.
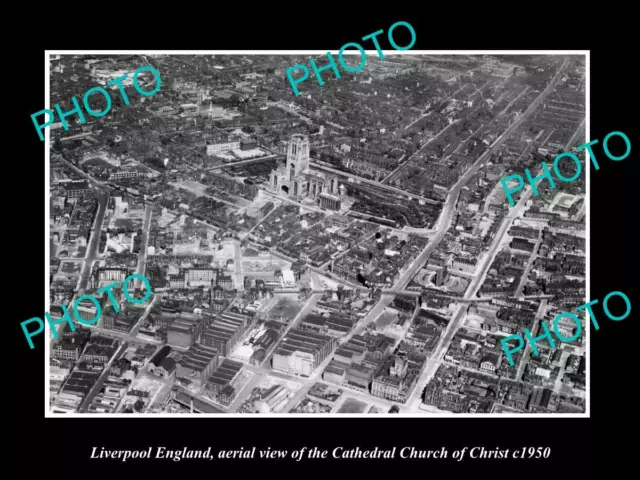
(301,351)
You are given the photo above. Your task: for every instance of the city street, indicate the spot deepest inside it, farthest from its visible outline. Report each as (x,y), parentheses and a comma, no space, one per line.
(94,242)
(527,270)
(430,111)
(143,317)
(87,264)
(142,256)
(474,285)
(128,337)
(472,290)
(306,310)
(542,310)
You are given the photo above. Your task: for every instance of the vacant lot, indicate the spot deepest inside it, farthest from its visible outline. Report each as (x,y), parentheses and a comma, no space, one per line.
(386,319)
(287,308)
(351,405)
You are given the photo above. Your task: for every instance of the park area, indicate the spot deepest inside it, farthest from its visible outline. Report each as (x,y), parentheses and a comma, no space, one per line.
(456,284)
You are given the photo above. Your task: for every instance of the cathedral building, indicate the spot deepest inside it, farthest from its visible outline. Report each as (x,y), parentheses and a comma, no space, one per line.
(294,178)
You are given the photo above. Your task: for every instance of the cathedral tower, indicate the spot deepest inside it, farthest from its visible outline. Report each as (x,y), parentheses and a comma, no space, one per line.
(297,156)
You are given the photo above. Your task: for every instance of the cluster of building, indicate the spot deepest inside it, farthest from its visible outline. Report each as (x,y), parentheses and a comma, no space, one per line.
(356,361)
(283,222)
(367,363)
(301,351)
(475,351)
(380,259)
(321,398)
(460,390)
(396,378)
(505,315)
(235,173)
(266,400)
(425,331)
(324,241)
(505,273)
(78,362)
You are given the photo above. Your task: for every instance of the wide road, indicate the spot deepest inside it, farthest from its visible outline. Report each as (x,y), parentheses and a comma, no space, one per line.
(91,256)
(136,328)
(94,242)
(128,337)
(527,270)
(142,256)
(445,222)
(245,392)
(456,320)
(401,283)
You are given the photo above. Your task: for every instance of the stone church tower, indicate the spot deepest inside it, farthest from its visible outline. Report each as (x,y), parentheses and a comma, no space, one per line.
(294,178)
(297,156)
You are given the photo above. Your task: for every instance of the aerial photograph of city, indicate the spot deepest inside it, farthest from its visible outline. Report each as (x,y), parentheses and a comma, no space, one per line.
(350,250)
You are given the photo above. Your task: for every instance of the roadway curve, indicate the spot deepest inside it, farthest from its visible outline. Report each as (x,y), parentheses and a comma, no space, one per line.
(458,316)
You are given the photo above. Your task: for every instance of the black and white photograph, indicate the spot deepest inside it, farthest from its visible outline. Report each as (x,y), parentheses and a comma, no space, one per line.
(347,250)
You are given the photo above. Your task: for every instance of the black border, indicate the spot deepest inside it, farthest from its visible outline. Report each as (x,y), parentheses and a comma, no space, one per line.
(62,446)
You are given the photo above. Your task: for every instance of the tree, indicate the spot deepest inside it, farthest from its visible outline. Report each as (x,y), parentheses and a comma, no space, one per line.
(138,406)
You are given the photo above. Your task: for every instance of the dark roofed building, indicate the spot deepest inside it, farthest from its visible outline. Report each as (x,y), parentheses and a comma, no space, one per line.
(489,362)
(76,189)
(166,369)
(225,375)
(258,356)
(180,396)
(196,366)
(160,356)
